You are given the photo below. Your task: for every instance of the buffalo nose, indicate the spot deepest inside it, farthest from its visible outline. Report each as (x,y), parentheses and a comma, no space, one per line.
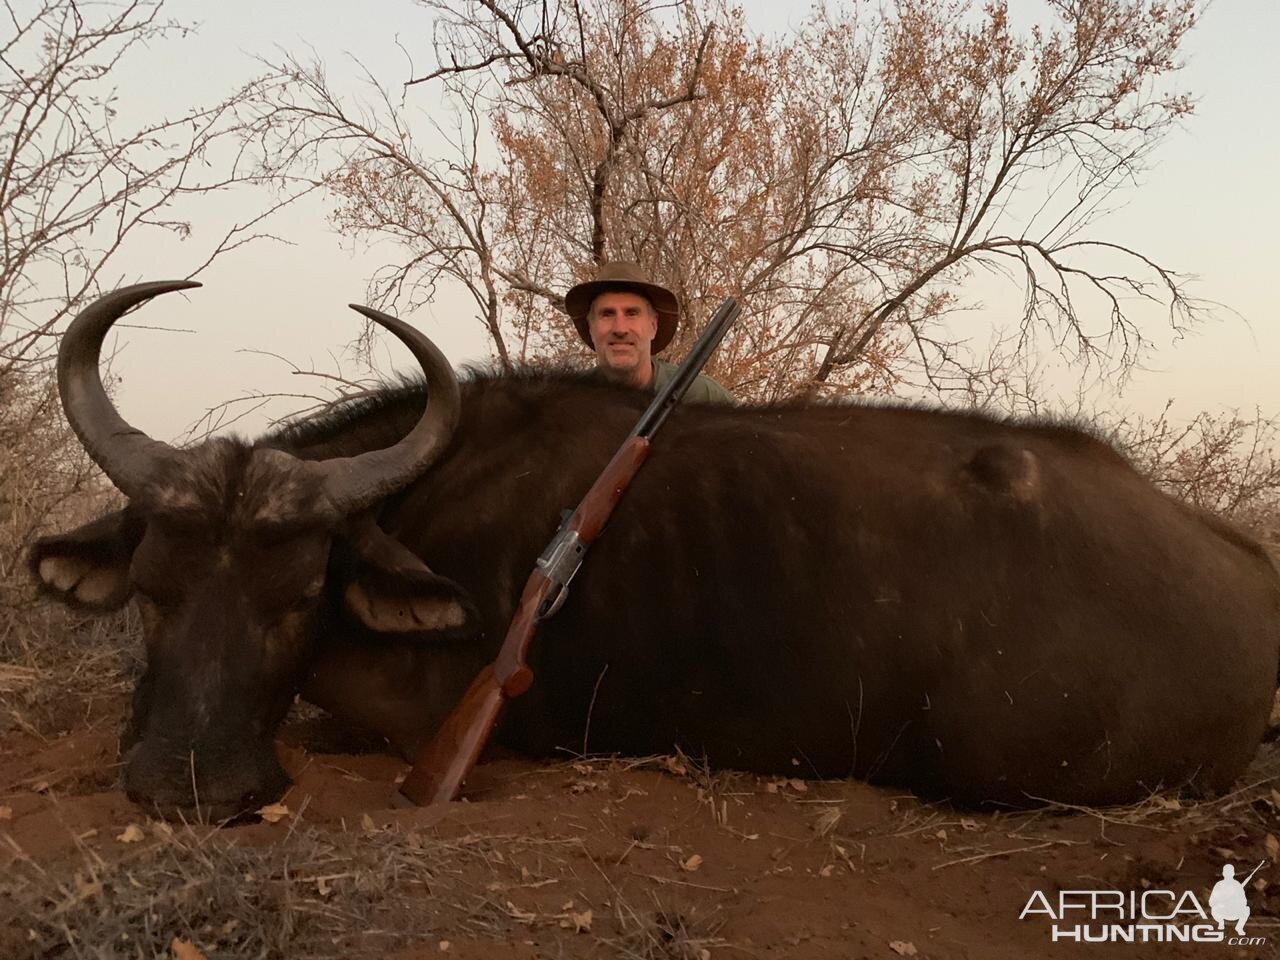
(203,785)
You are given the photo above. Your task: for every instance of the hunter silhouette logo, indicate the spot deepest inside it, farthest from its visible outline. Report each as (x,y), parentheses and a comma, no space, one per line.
(1228,901)
(1149,916)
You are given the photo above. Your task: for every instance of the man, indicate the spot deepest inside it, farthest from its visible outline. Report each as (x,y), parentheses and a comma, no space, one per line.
(625,318)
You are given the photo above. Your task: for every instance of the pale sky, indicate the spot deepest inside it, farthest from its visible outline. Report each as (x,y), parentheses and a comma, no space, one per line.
(1209,207)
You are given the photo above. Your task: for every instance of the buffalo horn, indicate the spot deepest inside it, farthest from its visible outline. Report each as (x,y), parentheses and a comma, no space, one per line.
(353,483)
(128,456)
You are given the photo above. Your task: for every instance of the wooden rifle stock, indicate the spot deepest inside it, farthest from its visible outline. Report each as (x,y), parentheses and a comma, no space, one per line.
(440,770)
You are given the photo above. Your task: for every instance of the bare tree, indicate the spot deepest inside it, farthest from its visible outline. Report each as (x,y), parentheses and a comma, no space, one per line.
(76,186)
(1225,463)
(845,180)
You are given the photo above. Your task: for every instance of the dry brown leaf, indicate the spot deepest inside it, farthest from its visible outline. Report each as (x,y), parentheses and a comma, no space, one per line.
(799,786)
(185,950)
(367,824)
(322,887)
(691,864)
(444,946)
(1272,845)
(903,948)
(6,813)
(672,765)
(827,870)
(273,812)
(578,922)
(132,834)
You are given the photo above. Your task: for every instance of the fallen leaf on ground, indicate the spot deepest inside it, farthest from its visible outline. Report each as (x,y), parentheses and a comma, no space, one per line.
(1272,845)
(185,950)
(672,765)
(579,922)
(6,813)
(273,812)
(132,834)
(367,824)
(903,948)
(692,864)
(799,786)
(444,946)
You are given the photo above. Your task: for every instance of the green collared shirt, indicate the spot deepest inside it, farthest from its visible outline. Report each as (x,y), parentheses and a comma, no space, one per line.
(702,390)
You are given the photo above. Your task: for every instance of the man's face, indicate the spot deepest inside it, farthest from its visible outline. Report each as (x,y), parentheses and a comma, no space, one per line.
(622,328)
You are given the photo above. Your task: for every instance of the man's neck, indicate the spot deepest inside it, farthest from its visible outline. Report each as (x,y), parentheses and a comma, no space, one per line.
(639,378)
(644,376)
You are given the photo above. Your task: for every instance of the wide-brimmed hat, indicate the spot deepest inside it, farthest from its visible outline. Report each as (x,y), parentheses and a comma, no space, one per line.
(623,275)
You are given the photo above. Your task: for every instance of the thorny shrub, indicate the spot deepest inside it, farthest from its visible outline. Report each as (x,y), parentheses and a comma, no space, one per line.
(1225,463)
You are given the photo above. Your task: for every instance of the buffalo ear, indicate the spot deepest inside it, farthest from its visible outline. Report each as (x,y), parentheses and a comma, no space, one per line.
(89,567)
(389,589)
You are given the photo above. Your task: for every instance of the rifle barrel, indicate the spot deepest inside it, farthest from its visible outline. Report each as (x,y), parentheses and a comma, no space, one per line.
(688,371)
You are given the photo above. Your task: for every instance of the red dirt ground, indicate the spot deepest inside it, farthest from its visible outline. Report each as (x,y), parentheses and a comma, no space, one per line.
(754,867)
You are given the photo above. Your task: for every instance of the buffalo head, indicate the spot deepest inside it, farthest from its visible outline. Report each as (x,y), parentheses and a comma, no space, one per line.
(238,555)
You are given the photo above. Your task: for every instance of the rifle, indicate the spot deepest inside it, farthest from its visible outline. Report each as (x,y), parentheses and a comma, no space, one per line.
(446,762)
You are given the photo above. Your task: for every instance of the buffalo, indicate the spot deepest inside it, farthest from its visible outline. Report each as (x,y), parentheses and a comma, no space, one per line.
(976,608)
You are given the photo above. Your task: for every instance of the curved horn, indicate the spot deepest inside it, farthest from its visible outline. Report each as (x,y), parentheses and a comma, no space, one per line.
(126,455)
(353,483)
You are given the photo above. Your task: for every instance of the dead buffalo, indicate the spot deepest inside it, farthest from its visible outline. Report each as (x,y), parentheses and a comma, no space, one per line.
(979,609)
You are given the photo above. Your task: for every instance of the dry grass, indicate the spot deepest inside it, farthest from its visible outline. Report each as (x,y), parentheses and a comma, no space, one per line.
(63,670)
(665,933)
(55,665)
(313,893)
